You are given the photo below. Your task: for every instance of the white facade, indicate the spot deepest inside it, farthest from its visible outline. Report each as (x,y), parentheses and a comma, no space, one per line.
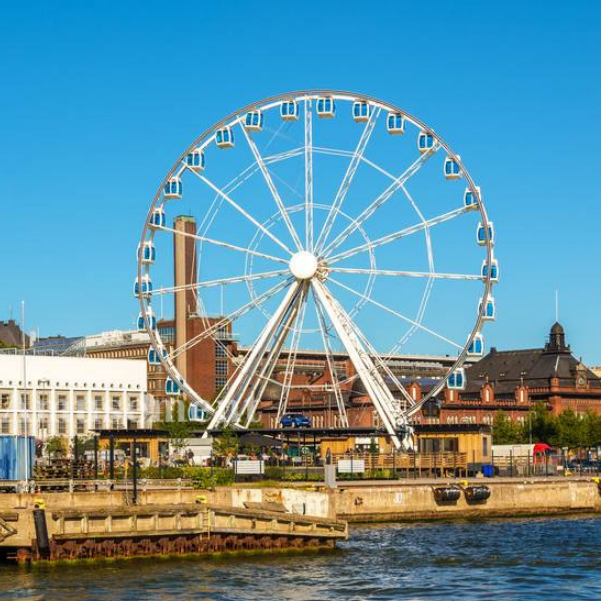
(69,396)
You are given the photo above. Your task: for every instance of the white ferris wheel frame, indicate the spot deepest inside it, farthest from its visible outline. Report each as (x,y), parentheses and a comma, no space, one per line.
(249,381)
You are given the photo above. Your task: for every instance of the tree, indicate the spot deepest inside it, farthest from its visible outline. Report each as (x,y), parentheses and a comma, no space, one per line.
(506,431)
(226,445)
(56,446)
(571,431)
(542,423)
(179,430)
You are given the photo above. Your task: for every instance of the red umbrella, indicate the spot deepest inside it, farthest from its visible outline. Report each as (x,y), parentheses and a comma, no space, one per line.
(541,447)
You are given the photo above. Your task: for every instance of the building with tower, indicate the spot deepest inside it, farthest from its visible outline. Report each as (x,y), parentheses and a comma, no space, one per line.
(514,380)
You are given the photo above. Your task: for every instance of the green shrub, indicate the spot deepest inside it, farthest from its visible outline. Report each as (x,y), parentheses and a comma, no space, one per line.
(167,473)
(204,477)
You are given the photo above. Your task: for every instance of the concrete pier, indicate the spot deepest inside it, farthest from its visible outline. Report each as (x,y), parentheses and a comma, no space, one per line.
(508,498)
(68,526)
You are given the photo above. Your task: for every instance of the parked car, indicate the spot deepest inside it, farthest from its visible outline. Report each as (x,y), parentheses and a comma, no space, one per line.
(295,420)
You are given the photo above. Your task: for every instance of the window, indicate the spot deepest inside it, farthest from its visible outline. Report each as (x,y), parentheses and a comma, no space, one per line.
(43,403)
(220,350)
(62,425)
(23,427)
(116,423)
(5,425)
(220,384)
(81,426)
(98,423)
(5,400)
(221,368)
(25,401)
(99,402)
(61,403)
(484,446)
(167,333)
(133,403)
(43,427)
(116,403)
(80,403)
(132,424)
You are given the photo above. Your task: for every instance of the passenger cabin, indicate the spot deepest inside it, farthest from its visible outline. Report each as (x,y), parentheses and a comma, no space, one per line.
(489,313)
(152,320)
(456,380)
(196,413)
(146,287)
(195,160)
(395,124)
(253,121)
(147,252)
(494,270)
(157,218)
(425,142)
(451,168)
(326,107)
(360,111)
(481,234)
(469,198)
(172,388)
(289,110)
(153,356)
(173,188)
(224,137)
(476,347)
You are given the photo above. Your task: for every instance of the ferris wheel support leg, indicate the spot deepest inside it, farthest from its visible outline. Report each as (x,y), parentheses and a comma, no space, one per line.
(245,374)
(262,384)
(375,386)
(253,398)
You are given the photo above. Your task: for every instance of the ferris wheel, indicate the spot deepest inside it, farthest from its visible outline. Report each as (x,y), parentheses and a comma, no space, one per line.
(324,224)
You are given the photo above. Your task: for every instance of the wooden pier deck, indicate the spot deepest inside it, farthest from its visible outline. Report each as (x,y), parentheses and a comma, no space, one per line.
(36,534)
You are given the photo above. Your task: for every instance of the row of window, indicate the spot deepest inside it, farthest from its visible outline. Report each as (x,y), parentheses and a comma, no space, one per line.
(62,402)
(62,425)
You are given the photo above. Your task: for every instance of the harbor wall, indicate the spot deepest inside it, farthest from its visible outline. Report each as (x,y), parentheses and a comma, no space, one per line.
(295,500)
(415,501)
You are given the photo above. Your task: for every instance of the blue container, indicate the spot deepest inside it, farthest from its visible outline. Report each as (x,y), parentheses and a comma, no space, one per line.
(15,462)
(488,471)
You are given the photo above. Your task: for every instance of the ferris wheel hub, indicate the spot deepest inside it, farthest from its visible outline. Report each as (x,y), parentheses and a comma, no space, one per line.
(303,265)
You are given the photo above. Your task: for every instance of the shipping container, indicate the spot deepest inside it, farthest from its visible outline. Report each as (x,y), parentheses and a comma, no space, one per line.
(16,460)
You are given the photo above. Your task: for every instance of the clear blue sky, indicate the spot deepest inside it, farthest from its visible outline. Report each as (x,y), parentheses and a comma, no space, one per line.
(99,98)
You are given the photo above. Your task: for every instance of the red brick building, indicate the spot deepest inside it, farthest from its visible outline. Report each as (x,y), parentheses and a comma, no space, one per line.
(514,380)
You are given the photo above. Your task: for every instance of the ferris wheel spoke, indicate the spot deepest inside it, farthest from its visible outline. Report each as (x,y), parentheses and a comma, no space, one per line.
(292,354)
(347,180)
(264,377)
(223,281)
(397,314)
(240,210)
(408,231)
(308,175)
(238,390)
(386,405)
(410,274)
(214,242)
(252,304)
(397,184)
(332,366)
(274,192)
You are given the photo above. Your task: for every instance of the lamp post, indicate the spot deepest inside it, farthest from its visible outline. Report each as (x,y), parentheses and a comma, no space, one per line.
(24,398)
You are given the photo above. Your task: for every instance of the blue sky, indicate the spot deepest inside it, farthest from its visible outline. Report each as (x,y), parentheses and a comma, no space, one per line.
(99,99)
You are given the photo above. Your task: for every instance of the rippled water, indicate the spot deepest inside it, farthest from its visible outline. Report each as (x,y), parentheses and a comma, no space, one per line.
(520,559)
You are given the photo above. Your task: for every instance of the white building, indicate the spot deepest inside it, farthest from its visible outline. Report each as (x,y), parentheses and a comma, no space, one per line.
(70,396)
